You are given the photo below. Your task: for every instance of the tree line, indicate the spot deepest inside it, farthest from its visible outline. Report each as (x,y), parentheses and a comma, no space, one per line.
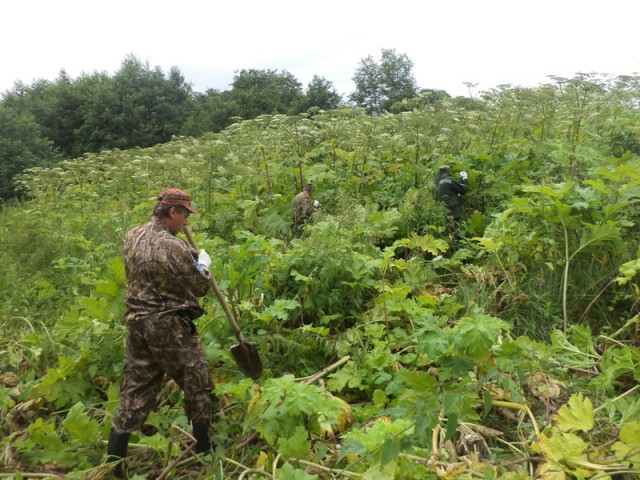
(140,106)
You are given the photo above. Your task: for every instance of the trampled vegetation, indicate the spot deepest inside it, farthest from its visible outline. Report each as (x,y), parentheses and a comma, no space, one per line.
(393,347)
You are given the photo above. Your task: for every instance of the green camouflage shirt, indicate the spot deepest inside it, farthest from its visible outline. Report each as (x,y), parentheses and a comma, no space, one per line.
(302,209)
(162,276)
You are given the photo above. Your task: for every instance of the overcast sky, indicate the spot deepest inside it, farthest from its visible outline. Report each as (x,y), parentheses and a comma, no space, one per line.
(451,42)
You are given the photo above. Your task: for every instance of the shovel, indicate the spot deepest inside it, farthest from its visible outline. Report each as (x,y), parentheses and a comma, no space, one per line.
(244,353)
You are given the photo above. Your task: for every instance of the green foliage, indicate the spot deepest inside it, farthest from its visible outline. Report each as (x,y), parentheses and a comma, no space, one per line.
(289,472)
(79,426)
(380,85)
(21,147)
(573,354)
(627,448)
(285,412)
(321,94)
(257,92)
(137,107)
(322,287)
(72,447)
(441,331)
(577,415)
(570,453)
(379,444)
(618,362)
(421,212)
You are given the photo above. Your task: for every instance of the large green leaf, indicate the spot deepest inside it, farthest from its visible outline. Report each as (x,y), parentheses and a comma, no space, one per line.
(289,472)
(571,355)
(476,335)
(559,446)
(80,426)
(577,415)
(628,448)
(604,237)
(295,446)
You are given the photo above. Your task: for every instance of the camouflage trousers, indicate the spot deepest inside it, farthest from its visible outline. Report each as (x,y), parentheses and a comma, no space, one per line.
(156,346)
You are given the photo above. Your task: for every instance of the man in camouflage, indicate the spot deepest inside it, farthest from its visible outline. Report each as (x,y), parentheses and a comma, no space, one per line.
(449,191)
(164,279)
(303,209)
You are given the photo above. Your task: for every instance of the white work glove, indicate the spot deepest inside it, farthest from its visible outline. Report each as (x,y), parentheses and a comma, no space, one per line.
(204,259)
(463,175)
(316,203)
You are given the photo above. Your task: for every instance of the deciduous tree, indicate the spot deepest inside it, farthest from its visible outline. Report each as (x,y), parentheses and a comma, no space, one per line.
(321,93)
(256,92)
(138,106)
(212,111)
(380,85)
(21,146)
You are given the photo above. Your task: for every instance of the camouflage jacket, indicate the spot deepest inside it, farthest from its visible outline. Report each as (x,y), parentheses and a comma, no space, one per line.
(448,191)
(162,276)
(302,209)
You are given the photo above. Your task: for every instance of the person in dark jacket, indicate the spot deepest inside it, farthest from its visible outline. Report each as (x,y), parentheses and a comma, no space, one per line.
(165,277)
(449,191)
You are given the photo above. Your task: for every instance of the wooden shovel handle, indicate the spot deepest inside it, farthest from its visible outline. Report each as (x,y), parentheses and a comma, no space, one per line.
(216,289)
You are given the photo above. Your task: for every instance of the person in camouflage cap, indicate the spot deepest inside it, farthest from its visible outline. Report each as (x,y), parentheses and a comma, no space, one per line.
(164,281)
(303,209)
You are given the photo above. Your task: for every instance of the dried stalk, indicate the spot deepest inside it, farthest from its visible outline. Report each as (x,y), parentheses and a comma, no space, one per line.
(177,460)
(324,371)
(327,469)
(522,408)
(31,475)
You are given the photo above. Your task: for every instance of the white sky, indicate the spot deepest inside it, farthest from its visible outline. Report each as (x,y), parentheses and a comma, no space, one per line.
(487,42)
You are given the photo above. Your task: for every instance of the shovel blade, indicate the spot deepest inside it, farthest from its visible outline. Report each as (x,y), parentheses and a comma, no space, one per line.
(247,359)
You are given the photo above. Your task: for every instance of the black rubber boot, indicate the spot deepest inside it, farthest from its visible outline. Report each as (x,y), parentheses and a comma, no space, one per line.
(117,450)
(203,438)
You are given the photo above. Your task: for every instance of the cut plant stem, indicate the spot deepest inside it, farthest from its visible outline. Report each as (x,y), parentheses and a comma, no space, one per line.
(177,460)
(522,408)
(325,370)
(628,392)
(327,469)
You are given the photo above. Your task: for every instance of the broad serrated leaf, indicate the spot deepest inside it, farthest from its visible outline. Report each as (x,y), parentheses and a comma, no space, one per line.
(578,415)
(628,448)
(44,434)
(380,472)
(630,435)
(599,236)
(452,425)
(628,271)
(428,243)
(550,471)
(569,354)
(476,335)
(279,309)
(558,446)
(488,243)
(390,450)
(288,472)
(380,397)
(422,382)
(80,426)
(347,376)
(295,446)
(158,442)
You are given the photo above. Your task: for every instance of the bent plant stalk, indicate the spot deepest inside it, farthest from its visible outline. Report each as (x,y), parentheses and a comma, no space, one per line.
(565,280)
(522,408)
(266,169)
